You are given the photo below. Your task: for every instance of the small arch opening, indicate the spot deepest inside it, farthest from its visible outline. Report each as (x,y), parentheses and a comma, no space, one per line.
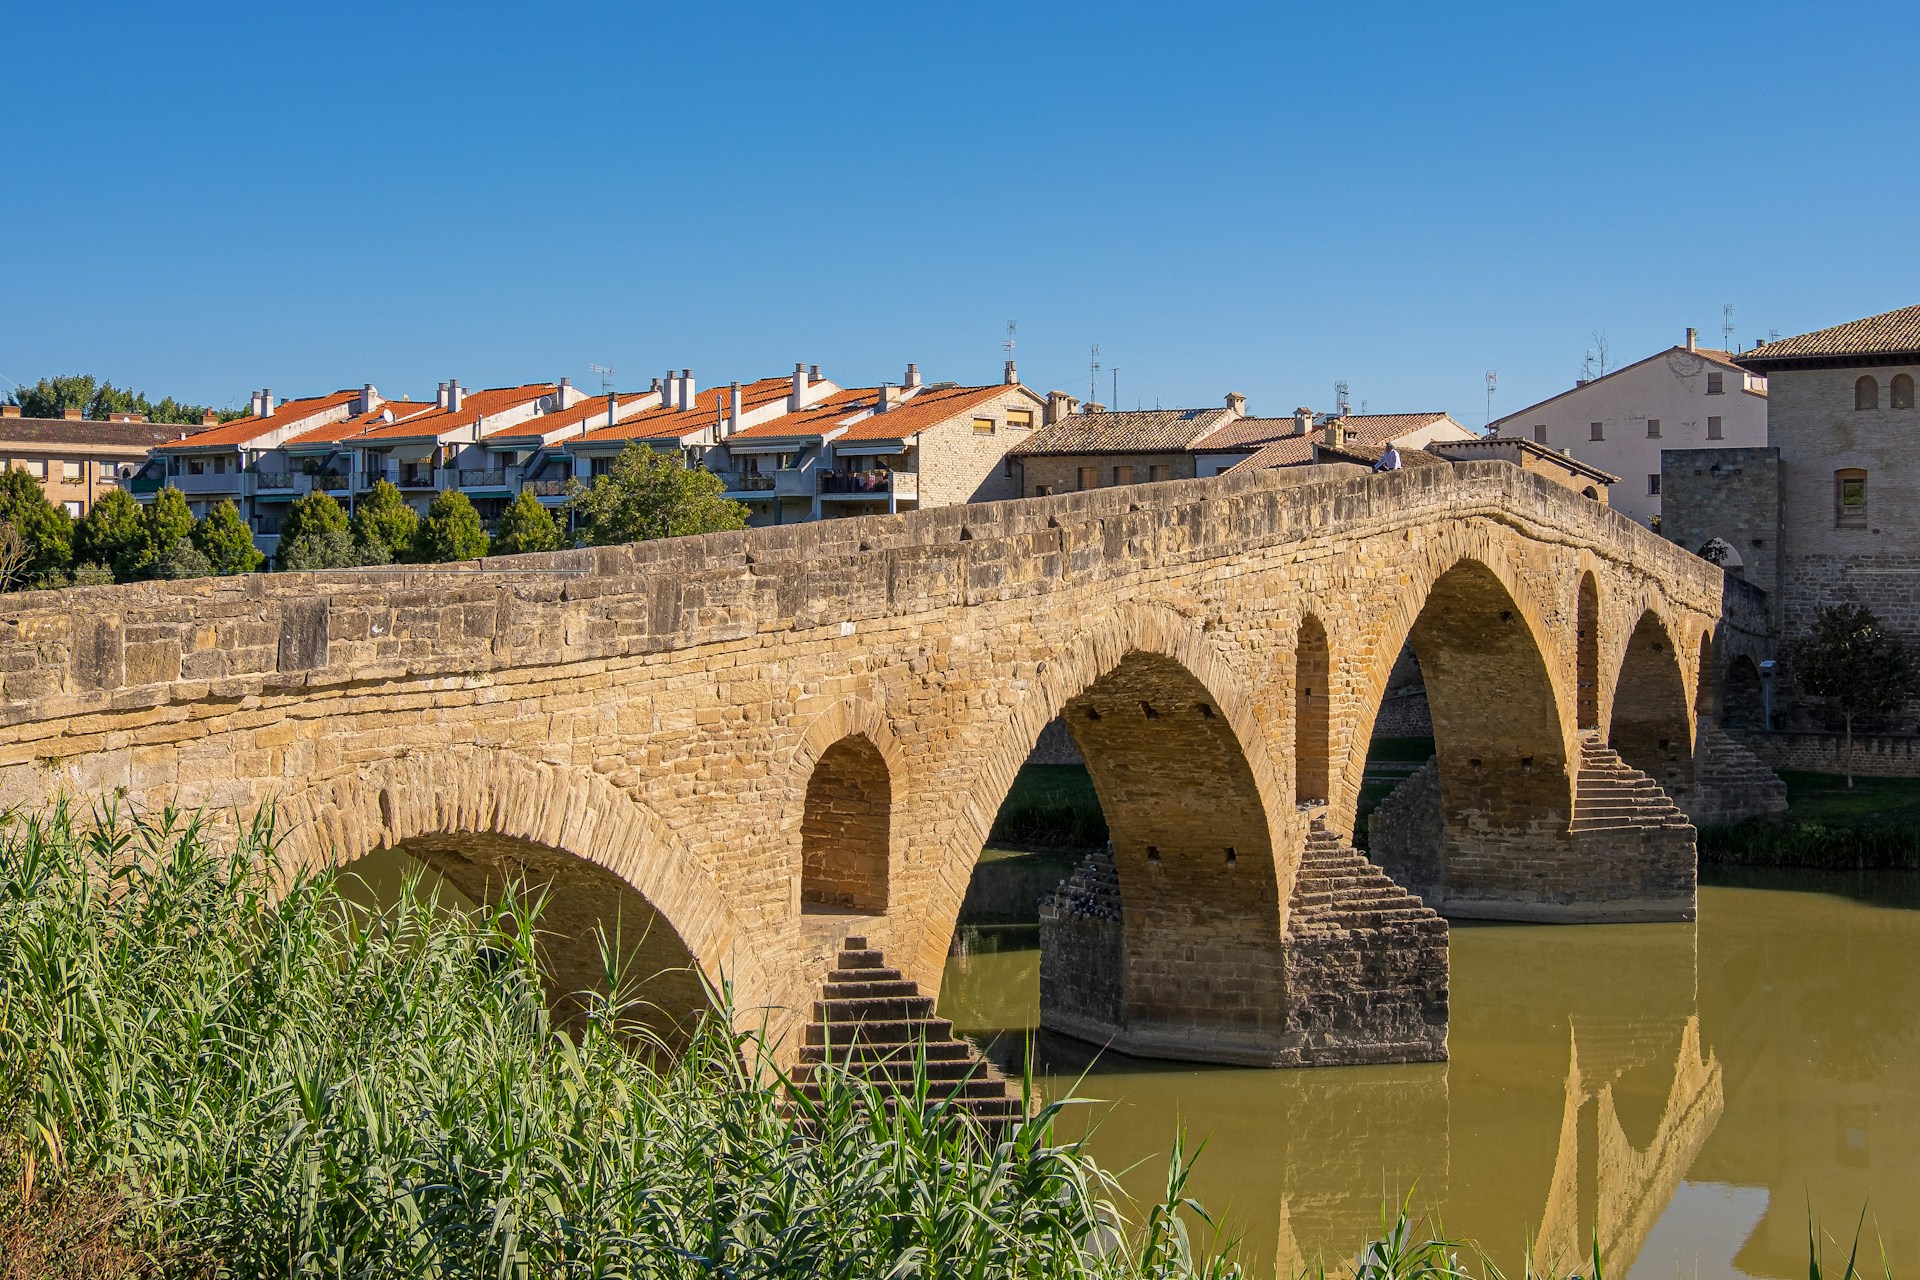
(846,834)
(1703,682)
(1900,392)
(1587,653)
(1866,392)
(1312,712)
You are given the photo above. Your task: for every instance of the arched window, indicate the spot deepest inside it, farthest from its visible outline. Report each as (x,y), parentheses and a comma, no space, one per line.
(1866,393)
(1586,650)
(846,831)
(1850,498)
(1900,391)
(1312,707)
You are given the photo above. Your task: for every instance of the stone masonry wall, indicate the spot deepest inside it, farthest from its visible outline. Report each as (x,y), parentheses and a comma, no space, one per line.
(1730,494)
(658,710)
(1875,755)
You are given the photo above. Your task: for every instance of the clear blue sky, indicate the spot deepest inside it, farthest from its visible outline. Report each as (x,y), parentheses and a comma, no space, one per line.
(204,199)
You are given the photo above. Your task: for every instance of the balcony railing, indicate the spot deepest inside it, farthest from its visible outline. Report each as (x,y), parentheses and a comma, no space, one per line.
(749,482)
(273,479)
(547,488)
(879,484)
(414,477)
(474,478)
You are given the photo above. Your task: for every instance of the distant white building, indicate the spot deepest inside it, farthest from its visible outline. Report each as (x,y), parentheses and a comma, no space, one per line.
(1686,397)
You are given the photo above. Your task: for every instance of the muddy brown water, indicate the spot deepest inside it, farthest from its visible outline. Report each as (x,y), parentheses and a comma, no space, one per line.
(1683,1093)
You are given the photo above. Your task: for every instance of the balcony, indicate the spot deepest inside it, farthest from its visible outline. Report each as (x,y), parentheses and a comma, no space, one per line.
(265,481)
(791,482)
(547,488)
(471,478)
(411,477)
(226,482)
(870,484)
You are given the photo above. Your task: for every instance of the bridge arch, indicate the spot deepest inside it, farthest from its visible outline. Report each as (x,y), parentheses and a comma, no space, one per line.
(487,819)
(1651,726)
(1312,712)
(852,764)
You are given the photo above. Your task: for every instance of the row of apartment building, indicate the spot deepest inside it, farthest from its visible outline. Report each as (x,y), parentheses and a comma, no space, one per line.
(792,448)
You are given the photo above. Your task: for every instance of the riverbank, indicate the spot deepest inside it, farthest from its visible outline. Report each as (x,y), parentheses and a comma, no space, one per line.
(1874,825)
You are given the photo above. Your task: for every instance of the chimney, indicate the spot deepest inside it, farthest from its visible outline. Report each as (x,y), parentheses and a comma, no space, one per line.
(1011,376)
(72,415)
(889,397)
(440,397)
(613,406)
(266,402)
(687,397)
(1060,405)
(736,405)
(369,398)
(1236,404)
(1093,406)
(813,372)
(560,401)
(1693,337)
(9,410)
(1336,432)
(1302,421)
(456,395)
(913,375)
(253,405)
(797,400)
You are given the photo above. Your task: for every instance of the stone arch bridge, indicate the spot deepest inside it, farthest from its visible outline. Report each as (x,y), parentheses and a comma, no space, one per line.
(745,747)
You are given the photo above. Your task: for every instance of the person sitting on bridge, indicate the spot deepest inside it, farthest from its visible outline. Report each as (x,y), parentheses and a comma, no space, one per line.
(1389,461)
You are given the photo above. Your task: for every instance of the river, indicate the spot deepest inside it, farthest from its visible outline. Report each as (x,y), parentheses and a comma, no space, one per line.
(1684,1091)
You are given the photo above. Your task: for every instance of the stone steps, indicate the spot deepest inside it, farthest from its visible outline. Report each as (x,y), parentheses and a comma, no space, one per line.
(1611,795)
(1339,890)
(878,1026)
(1730,781)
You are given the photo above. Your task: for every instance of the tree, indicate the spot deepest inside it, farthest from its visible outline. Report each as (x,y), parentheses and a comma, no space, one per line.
(225,540)
(318,547)
(182,560)
(452,530)
(313,514)
(526,526)
(48,397)
(114,535)
(650,494)
(169,522)
(384,520)
(45,532)
(1847,658)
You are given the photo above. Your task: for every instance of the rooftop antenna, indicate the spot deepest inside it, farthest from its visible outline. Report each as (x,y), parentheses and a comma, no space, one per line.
(1006,344)
(1726,327)
(1093,372)
(1493,380)
(1340,398)
(606,376)
(1116,386)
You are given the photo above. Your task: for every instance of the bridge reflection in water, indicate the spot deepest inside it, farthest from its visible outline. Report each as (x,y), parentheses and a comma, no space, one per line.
(1578,1095)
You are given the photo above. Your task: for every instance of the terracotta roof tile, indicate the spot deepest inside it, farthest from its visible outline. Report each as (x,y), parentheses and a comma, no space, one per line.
(358,423)
(1140,431)
(920,411)
(668,423)
(815,420)
(248,429)
(1889,333)
(1247,433)
(1365,429)
(473,406)
(580,414)
(89,431)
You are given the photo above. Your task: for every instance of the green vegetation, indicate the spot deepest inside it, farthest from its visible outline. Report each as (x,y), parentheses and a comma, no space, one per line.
(225,540)
(1051,806)
(48,397)
(452,530)
(525,526)
(198,1079)
(649,494)
(1874,824)
(384,526)
(1859,668)
(36,537)
(315,535)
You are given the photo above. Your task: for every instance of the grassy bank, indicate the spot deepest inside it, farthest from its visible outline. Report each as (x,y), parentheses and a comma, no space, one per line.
(197,1079)
(1875,825)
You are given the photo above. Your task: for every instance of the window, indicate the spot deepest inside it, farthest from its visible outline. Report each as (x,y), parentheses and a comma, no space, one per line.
(1866,393)
(1716,384)
(1043,490)
(1540,433)
(1653,485)
(1020,419)
(1714,430)
(220,466)
(1900,392)
(1123,475)
(36,467)
(1850,499)
(983,426)
(1595,431)
(1089,477)
(73,509)
(1653,428)
(1160,471)
(70,472)
(196,466)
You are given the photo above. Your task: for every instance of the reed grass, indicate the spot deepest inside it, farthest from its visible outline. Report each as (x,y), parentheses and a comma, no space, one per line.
(241,1082)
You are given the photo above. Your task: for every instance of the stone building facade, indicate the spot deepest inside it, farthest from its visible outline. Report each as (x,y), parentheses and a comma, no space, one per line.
(78,460)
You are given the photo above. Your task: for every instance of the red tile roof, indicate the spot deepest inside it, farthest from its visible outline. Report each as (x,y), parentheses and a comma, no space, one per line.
(473,406)
(1247,433)
(925,409)
(668,423)
(580,414)
(1363,429)
(357,423)
(816,420)
(54,432)
(1889,333)
(1132,431)
(248,429)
